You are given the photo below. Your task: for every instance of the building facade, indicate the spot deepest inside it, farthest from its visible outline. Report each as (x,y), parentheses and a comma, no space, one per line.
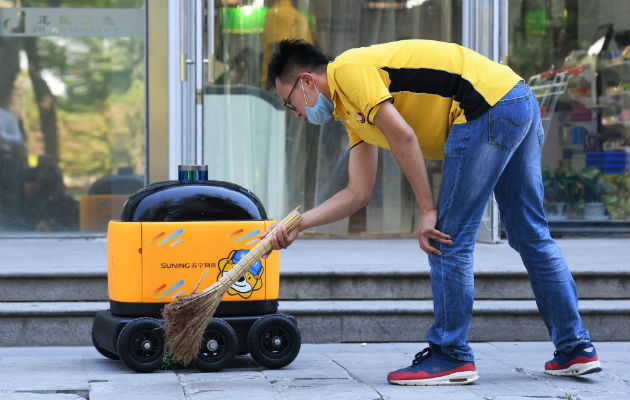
(100,98)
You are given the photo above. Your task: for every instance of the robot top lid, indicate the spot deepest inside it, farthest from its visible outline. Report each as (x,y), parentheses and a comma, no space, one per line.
(192,198)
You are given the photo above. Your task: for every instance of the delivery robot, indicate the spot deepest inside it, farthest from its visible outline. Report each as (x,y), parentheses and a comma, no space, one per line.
(179,237)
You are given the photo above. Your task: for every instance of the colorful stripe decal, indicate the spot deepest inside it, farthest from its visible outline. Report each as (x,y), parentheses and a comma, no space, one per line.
(156,237)
(247,236)
(171,289)
(170,237)
(158,289)
(235,233)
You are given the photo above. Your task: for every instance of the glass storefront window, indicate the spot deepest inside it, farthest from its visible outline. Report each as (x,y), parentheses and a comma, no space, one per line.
(72,107)
(71,113)
(576,55)
(249,139)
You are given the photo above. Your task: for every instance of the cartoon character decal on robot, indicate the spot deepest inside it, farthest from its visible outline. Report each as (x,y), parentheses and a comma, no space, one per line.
(252,280)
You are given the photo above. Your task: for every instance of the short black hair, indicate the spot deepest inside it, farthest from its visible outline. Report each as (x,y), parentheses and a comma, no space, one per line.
(294,56)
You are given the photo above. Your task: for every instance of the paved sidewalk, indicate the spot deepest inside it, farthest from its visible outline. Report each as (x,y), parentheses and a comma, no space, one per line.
(508,371)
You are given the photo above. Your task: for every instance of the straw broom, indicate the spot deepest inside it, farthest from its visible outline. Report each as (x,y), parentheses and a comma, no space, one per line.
(186,318)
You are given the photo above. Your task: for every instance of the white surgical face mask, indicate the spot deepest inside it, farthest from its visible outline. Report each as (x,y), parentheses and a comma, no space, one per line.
(321,112)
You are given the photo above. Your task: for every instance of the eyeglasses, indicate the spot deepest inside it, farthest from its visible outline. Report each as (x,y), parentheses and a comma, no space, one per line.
(286,101)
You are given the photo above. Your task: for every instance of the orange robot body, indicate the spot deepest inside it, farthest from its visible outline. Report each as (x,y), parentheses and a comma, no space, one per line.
(155,262)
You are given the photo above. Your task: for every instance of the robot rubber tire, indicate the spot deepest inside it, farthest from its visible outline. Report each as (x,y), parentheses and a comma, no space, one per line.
(141,344)
(274,341)
(218,348)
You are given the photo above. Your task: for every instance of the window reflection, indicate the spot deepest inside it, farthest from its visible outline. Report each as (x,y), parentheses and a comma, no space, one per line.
(584,45)
(279,157)
(71,110)
(587,128)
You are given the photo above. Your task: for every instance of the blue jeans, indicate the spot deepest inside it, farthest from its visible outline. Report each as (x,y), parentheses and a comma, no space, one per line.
(498,151)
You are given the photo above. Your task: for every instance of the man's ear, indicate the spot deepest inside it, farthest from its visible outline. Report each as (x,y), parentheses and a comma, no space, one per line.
(308,79)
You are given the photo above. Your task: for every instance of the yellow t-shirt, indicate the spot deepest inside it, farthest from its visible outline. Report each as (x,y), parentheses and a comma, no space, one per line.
(432,84)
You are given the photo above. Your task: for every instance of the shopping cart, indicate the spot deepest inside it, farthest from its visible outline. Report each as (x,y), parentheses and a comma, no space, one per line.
(548,86)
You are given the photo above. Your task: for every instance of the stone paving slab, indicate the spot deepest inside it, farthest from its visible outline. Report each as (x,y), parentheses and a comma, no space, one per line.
(508,371)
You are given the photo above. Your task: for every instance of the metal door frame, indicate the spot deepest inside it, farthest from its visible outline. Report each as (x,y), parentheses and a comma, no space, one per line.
(187,58)
(485,30)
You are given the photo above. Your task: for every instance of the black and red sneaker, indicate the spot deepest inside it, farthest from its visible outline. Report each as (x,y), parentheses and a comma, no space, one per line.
(580,361)
(433,368)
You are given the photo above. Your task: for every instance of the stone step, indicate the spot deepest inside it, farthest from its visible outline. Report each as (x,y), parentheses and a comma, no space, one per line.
(408,320)
(34,287)
(69,323)
(394,285)
(324,285)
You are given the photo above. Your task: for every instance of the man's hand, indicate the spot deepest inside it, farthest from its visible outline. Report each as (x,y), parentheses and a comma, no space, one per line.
(427,231)
(281,238)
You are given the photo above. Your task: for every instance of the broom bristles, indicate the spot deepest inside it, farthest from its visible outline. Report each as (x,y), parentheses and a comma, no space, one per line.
(186,318)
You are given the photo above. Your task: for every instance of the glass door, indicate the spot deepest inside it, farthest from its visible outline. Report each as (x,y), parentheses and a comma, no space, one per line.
(249,139)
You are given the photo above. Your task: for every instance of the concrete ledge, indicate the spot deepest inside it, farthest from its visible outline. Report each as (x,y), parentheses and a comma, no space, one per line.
(69,323)
(53,288)
(21,274)
(60,330)
(326,307)
(399,285)
(56,308)
(322,285)
(422,306)
(384,321)
(48,323)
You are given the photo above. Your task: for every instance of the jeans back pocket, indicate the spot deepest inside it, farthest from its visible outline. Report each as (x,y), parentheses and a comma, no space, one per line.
(509,121)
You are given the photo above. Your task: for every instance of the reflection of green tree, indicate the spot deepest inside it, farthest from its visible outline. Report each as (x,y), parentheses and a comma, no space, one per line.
(100,117)
(97,123)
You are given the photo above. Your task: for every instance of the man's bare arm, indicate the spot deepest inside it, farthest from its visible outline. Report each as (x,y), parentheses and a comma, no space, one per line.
(406,150)
(362,165)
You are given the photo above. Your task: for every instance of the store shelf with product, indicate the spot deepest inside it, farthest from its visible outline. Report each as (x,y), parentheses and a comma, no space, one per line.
(615,82)
(615,116)
(597,105)
(579,119)
(609,162)
(589,141)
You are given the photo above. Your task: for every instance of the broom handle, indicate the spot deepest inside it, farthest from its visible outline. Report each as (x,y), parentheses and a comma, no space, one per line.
(291,221)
